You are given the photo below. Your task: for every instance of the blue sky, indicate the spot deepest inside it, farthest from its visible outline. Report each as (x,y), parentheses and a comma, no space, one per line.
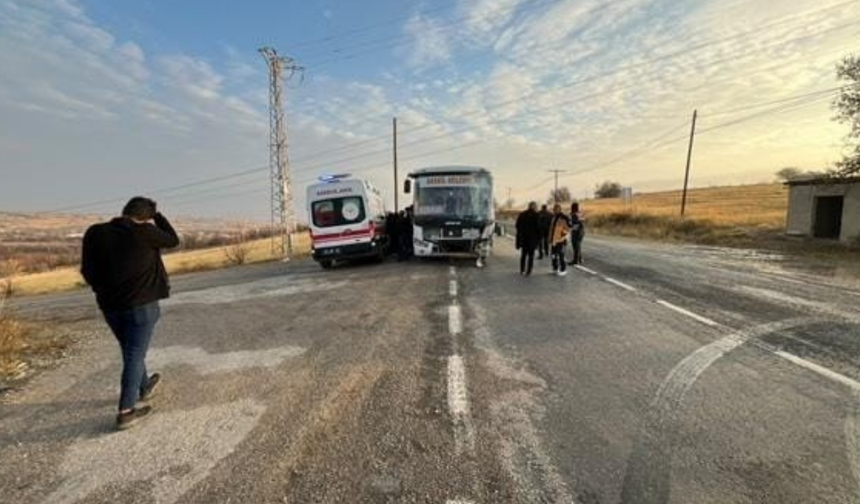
(103,100)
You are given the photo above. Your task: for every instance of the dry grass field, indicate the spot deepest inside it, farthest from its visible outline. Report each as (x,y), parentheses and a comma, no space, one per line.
(735,215)
(68,278)
(757,206)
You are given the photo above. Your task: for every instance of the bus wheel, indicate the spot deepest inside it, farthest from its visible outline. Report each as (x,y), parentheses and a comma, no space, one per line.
(326,264)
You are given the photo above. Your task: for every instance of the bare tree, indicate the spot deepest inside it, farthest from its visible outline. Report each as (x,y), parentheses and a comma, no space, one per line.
(560,195)
(788,173)
(608,189)
(847,107)
(237,252)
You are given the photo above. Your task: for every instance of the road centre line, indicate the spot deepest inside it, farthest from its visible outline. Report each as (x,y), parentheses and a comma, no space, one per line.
(688,313)
(458,400)
(620,284)
(452,288)
(455,320)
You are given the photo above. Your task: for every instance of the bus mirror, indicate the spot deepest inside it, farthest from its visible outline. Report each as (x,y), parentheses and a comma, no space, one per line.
(407,186)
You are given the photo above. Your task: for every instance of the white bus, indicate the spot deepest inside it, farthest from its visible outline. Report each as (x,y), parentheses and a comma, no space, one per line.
(453,212)
(346,219)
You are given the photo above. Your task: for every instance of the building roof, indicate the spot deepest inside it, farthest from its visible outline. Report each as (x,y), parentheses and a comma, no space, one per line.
(822,180)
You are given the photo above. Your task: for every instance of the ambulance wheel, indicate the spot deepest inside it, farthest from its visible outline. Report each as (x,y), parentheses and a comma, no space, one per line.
(326,264)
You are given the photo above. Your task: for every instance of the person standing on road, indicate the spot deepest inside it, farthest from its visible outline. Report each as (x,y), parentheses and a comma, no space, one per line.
(559,231)
(528,237)
(405,232)
(577,233)
(544,221)
(121,261)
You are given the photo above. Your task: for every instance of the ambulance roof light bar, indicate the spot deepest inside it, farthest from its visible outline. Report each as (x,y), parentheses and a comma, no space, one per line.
(333,178)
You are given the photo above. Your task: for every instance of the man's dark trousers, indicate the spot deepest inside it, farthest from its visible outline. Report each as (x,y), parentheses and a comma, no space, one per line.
(527,260)
(133,329)
(558,263)
(543,246)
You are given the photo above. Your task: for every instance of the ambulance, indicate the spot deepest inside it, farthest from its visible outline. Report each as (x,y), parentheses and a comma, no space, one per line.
(346,217)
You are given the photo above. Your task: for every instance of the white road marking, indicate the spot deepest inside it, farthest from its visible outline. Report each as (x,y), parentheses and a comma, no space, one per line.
(821,370)
(620,284)
(685,373)
(455,321)
(458,501)
(587,270)
(798,301)
(207,363)
(452,288)
(452,271)
(172,452)
(458,404)
(688,313)
(458,400)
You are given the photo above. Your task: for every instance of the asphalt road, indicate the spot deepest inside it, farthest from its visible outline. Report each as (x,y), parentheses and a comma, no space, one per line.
(659,374)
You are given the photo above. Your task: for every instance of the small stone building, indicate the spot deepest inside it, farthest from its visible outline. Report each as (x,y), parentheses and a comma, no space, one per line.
(824,208)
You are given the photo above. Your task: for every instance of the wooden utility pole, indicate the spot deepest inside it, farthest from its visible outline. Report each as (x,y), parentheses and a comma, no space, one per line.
(687,171)
(555,192)
(394,152)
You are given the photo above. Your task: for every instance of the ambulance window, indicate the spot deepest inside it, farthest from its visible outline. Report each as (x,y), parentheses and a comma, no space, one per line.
(338,212)
(324,215)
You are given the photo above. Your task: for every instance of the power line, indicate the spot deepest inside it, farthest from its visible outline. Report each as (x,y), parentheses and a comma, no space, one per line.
(454,132)
(162,190)
(628,67)
(828,92)
(431,123)
(394,41)
(365,28)
(653,144)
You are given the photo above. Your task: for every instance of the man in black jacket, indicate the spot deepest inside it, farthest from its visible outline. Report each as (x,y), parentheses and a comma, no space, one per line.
(122,263)
(528,236)
(577,233)
(544,221)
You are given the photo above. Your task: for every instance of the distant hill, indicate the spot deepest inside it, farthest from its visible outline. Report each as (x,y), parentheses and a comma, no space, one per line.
(40,242)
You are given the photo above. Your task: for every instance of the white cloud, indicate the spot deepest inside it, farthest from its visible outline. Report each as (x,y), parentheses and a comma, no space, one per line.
(487,17)
(431,42)
(567,82)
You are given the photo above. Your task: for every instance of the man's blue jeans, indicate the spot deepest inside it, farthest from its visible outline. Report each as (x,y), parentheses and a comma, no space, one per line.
(133,330)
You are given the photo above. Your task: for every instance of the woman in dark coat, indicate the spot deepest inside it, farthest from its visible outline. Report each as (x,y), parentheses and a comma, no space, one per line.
(528,237)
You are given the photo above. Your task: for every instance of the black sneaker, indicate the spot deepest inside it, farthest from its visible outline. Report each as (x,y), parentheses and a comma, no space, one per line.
(128,419)
(151,387)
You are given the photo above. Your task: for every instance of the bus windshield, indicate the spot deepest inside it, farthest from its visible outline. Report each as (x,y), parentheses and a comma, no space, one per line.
(469,197)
